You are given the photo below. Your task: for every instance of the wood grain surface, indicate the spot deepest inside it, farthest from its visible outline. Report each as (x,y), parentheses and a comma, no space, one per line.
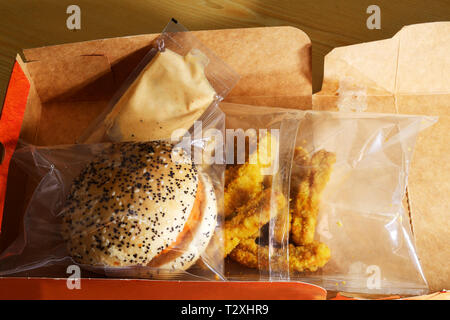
(329,23)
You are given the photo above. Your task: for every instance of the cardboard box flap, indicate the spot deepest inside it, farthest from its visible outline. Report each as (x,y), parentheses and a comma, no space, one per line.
(122,54)
(77,78)
(409,74)
(272,62)
(424,59)
(349,65)
(414,61)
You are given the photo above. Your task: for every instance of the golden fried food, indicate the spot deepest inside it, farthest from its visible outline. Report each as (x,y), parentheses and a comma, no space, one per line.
(313,175)
(309,257)
(300,178)
(249,206)
(246,181)
(247,184)
(251,217)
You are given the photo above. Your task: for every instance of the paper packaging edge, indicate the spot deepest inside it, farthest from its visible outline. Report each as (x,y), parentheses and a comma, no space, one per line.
(12,118)
(142,289)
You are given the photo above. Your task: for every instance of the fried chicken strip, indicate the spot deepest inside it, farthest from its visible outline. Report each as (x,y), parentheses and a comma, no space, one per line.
(309,257)
(251,217)
(299,192)
(313,180)
(246,181)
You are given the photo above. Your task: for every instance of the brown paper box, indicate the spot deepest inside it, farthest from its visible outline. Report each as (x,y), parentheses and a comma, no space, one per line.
(72,83)
(408,74)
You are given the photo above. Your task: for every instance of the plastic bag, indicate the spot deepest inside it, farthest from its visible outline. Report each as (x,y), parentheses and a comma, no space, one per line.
(360,218)
(174,85)
(123,209)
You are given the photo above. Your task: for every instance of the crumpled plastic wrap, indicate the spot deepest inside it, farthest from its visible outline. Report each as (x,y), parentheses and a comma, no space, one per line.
(361,214)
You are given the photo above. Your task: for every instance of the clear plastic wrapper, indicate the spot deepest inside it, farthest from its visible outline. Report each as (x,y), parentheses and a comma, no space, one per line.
(174,85)
(170,97)
(259,152)
(348,229)
(130,210)
(341,221)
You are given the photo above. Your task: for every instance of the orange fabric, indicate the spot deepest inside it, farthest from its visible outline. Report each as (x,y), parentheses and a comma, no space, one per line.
(339,296)
(11,122)
(105,289)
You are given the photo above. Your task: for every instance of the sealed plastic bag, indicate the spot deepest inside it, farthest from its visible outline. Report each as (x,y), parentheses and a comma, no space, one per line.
(131,209)
(348,229)
(175,83)
(342,177)
(259,151)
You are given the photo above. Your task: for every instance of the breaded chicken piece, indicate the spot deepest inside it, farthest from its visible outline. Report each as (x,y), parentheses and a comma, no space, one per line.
(246,181)
(251,217)
(312,181)
(247,184)
(309,257)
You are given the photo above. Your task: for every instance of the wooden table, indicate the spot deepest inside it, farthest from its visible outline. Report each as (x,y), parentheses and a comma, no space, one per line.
(329,23)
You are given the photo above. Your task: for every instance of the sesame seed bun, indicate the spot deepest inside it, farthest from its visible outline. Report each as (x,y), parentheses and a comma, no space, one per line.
(133,206)
(202,234)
